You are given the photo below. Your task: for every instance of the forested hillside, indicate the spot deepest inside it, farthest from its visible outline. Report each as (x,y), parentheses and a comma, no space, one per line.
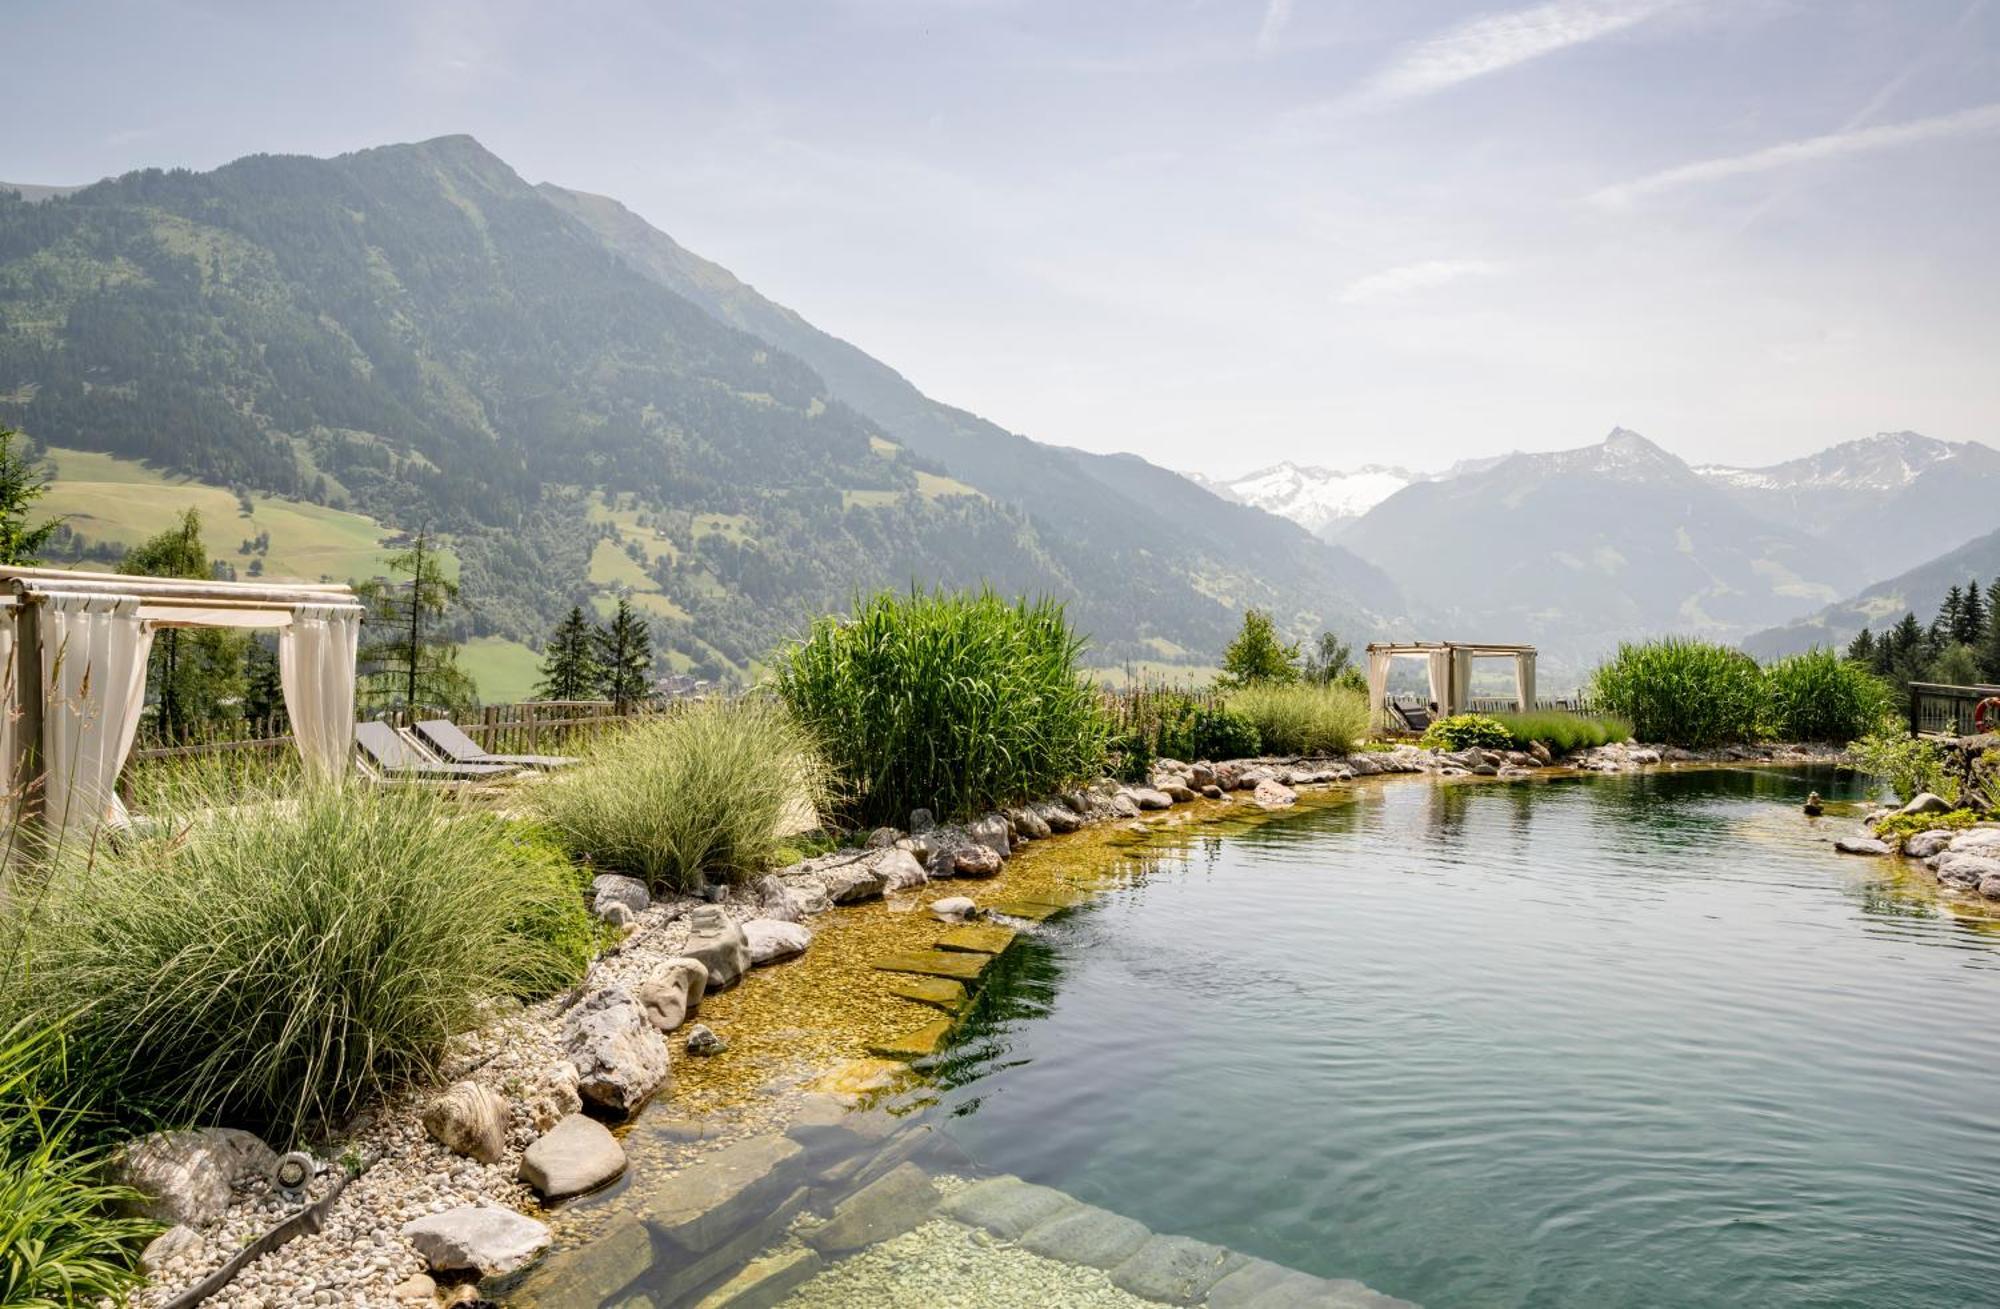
(415,333)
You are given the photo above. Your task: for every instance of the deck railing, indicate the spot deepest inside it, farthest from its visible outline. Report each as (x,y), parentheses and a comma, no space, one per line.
(532,727)
(1938,709)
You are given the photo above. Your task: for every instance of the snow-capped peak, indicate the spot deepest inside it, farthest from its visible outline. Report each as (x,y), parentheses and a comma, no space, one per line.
(1883,462)
(1314,498)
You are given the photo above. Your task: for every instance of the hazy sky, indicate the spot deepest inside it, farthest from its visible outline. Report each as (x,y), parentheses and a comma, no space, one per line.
(1405,231)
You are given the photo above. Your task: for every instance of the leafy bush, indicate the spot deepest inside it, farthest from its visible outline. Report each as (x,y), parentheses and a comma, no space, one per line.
(1299,719)
(1464,731)
(275,964)
(1683,692)
(1224,734)
(62,1241)
(1910,765)
(1897,828)
(1257,655)
(1562,732)
(1819,696)
(1130,757)
(711,788)
(952,702)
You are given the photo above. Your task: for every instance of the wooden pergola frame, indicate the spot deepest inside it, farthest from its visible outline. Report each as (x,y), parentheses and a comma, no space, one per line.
(1450,667)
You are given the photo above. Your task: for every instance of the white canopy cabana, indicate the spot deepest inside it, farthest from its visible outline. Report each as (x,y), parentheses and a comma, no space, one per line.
(1450,666)
(73,650)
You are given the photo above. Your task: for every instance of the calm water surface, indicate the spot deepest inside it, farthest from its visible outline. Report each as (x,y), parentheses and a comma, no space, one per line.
(1587,1042)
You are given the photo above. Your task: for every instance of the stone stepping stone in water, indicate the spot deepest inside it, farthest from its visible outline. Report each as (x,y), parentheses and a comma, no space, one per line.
(1027,909)
(765,1282)
(1175,1269)
(703,1205)
(935,963)
(978,938)
(890,1205)
(1087,1235)
(937,992)
(1261,1284)
(1007,1206)
(918,1044)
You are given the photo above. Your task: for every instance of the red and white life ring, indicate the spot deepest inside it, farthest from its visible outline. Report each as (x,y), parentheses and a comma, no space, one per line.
(1986,712)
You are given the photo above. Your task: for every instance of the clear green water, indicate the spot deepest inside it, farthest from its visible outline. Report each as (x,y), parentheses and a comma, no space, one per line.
(1590,1042)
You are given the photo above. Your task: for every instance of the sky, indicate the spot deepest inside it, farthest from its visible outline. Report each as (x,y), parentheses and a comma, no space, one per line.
(1220,235)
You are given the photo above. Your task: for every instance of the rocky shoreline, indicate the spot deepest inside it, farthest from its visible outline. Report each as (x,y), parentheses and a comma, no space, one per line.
(446,1188)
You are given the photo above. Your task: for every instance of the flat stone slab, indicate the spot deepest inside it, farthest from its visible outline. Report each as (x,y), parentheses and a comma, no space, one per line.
(483,1240)
(1261,1284)
(1087,1235)
(915,1044)
(766,1282)
(588,1275)
(860,1077)
(935,963)
(1007,1206)
(1063,897)
(1860,845)
(1175,1269)
(1031,910)
(704,1205)
(978,938)
(578,1154)
(938,992)
(888,1206)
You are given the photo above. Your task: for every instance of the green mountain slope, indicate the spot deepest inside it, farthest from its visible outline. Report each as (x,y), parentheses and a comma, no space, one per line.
(1920,591)
(415,333)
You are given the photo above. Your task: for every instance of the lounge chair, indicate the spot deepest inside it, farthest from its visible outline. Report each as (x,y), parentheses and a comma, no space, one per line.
(450,741)
(396,756)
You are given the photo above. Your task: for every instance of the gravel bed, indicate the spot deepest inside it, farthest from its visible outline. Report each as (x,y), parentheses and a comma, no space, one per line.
(942,1265)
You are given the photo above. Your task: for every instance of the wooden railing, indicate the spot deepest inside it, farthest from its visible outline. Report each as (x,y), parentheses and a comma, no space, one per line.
(533,727)
(1937,709)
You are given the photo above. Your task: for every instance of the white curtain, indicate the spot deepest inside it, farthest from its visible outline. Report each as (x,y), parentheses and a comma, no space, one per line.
(1440,670)
(1378,689)
(9,706)
(316,665)
(1524,682)
(94,650)
(1461,681)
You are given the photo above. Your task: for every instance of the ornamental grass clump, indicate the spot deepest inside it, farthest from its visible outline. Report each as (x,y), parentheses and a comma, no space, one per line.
(63,1240)
(1685,692)
(274,964)
(699,791)
(953,702)
(1819,696)
(1561,732)
(1301,718)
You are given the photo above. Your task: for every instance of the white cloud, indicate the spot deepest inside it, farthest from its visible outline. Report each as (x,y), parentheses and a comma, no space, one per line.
(1498,41)
(1977,121)
(1408,278)
(1277,17)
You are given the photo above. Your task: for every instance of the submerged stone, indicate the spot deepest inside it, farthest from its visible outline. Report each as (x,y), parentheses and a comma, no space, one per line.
(1261,1284)
(1032,910)
(1007,1206)
(1175,1269)
(935,963)
(1087,1235)
(938,992)
(916,1044)
(888,1206)
(765,1282)
(703,1205)
(977,938)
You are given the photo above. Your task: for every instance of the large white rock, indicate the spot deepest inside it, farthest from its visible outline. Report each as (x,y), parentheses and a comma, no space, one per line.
(578,1154)
(718,943)
(607,889)
(469,1119)
(990,831)
(847,883)
(771,940)
(477,1239)
(620,1057)
(183,1178)
(673,992)
(899,871)
(1273,794)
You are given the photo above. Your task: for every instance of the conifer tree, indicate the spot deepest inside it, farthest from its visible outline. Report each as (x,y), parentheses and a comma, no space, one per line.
(1947,620)
(409,663)
(1971,626)
(625,657)
(570,670)
(20,487)
(193,677)
(264,688)
(1861,649)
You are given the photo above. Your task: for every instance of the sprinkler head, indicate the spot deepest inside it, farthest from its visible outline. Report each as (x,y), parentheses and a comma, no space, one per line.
(293,1171)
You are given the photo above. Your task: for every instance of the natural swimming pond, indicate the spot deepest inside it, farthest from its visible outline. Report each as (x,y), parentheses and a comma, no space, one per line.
(1603,1041)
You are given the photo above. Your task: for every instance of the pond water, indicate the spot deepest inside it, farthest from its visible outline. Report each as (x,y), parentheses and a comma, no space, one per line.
(1606,1041)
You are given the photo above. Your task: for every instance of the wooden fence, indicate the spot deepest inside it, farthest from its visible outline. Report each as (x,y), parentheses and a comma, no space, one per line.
(533,727)
(1940,710)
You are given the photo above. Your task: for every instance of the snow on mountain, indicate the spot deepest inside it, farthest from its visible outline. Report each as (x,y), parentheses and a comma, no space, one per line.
(1887,461)
(1314,498)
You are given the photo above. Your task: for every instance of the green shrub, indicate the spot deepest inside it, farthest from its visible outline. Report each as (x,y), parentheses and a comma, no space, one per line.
(950,702)
(1298,719)
(1910,765)
(62,1241)
(1819,696)
(1897,828)
(706,790)
(1224,734)
(1464,731)
(1130,758)
(1562,732)
(1685,692)
(275,964)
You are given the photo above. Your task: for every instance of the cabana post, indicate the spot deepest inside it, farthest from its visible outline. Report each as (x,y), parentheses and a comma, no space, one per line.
(1449,664)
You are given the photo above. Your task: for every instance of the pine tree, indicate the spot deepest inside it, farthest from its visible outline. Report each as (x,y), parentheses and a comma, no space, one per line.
(1861,649)
(1971,626)
(263,688)
(409,664)
(1909,655)
(1946,621)
(625,657)
(570,670)
(192,677)
(20,487)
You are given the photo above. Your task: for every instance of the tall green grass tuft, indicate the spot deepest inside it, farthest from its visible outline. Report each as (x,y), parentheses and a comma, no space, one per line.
(1819,696)
(1303,718)
(274,964)
(708,789)
(950,702)
(62,1241)
(1562,732)
(1685,692)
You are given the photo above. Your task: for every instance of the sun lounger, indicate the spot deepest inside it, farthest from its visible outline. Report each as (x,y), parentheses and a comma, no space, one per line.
(451,742)
(397,756)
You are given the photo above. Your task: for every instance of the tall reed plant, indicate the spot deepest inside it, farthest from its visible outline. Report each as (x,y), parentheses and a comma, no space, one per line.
(1681,691)
(954,702)
(704,790)
(1561,732)
(1819,696)
(1303,718)
(276,963)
